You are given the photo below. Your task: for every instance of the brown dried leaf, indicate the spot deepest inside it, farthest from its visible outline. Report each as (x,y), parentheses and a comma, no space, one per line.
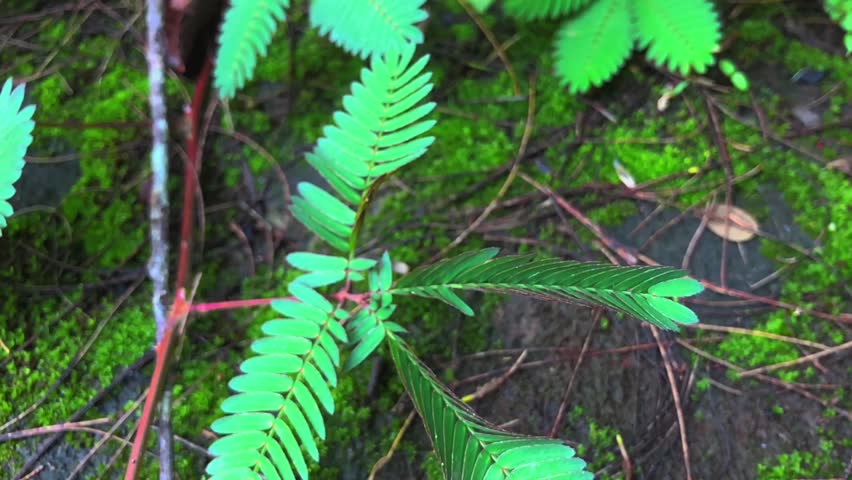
(843,164)
(741,226)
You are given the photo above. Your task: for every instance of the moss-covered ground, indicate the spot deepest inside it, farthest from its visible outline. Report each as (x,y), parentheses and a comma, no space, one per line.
(76,295)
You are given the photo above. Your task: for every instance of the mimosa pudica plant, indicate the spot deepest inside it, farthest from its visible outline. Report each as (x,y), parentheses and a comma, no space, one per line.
(275,419)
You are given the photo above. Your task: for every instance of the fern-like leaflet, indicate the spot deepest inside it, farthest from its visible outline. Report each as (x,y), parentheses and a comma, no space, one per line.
(327,269)
(378,132)
(246,32)
(282,389)
(536,9)
(369,327)
(682,36)
(467,446)
(368,27)
(642,292)
(16,127)
(592,45)
(280,392)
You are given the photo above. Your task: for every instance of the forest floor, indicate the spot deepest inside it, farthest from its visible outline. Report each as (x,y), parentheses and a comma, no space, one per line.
(763,381)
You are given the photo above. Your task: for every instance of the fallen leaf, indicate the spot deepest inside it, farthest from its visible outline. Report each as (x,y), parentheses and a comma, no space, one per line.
(663,102)
(841,165)
(624,175)
(401,268)
(741,226)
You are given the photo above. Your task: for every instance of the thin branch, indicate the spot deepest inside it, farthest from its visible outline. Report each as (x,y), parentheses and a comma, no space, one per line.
(158,205)
(495,383)
(83,426)
(190,175)
(563,405)
(681,421)
(757,333)
(45,446)
(380,464)
(798,388)
(725,158)
(790,363)
(158,200)
(498,49)
(108,435)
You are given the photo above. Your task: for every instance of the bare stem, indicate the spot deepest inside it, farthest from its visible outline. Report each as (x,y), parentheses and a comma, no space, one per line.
(159,204)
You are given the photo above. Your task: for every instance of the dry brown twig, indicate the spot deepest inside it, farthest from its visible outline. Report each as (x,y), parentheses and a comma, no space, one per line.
(681,421)
(498,49)
(563,404)
(797,361)
(495,383)
(766,378)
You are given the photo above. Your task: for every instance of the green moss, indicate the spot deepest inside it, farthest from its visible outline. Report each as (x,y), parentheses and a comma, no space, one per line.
(113,231)
(822,463)
(600,448)
(813,285)
(60,336)
(818,197)
(751,351)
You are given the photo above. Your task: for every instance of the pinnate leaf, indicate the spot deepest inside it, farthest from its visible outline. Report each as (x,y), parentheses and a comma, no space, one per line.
(16,126)
(626,289)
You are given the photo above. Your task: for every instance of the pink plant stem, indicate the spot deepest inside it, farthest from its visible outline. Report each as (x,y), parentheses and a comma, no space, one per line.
(232,304)
(180,307)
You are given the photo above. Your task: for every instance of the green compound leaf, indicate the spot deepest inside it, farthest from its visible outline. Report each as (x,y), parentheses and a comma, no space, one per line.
(470,448)
(379,132)
(591,46)
(246,32)
(682,35)
(637,291)
(367,27)
(16,127)
(282,393)
(537,9)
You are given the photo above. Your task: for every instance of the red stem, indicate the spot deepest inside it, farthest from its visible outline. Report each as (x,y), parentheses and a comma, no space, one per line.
(179,307)
(164,348)
(190,175)
(230,305)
